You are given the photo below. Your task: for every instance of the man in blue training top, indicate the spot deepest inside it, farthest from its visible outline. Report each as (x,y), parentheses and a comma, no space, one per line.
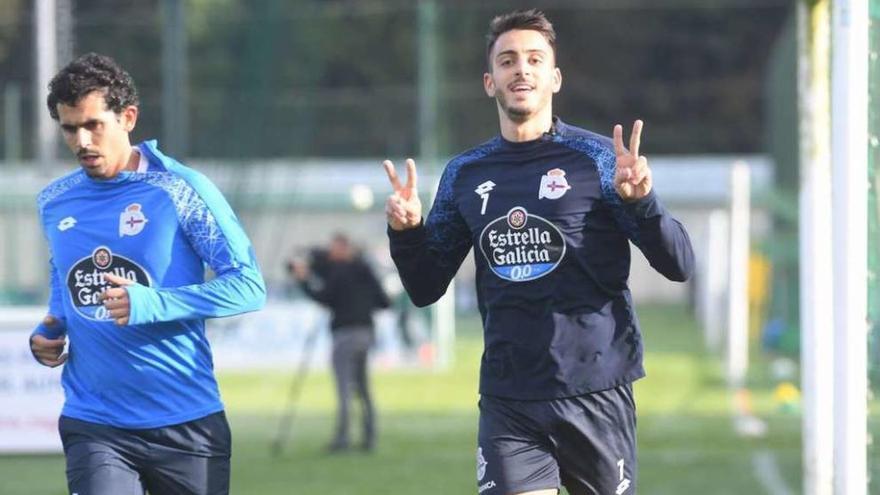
(549,210)
(129,234)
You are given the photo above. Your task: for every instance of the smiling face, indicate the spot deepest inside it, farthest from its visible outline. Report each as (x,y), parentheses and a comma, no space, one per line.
(523,76)
(96,135)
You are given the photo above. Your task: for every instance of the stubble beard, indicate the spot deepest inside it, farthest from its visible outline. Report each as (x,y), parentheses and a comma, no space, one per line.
(515,114)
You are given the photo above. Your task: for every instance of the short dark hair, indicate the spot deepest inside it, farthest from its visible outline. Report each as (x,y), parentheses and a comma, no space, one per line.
(88,73)
(341,238)
(532,19)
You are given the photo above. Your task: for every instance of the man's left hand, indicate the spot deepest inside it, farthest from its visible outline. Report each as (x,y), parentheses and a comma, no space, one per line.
(115,299)
(632,177)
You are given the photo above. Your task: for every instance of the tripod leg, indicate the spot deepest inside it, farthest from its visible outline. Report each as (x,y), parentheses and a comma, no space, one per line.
(295,391)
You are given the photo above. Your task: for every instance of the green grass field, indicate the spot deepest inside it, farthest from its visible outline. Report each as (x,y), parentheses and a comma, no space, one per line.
(428,429)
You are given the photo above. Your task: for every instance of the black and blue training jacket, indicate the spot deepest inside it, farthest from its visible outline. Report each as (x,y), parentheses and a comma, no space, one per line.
(551,243)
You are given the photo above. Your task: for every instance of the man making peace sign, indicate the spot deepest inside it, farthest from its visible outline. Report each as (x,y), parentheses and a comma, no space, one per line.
(549,210)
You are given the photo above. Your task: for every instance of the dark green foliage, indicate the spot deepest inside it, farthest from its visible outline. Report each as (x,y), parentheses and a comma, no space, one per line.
(277,78)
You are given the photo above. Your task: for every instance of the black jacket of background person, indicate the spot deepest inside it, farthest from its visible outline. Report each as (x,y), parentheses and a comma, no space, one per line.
(351,292)
(550,235)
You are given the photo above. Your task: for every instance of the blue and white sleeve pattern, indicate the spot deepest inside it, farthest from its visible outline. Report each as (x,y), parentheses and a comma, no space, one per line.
(428,257)
(660,237)
(56,307)
(445,229)
(606,162)
(215,234)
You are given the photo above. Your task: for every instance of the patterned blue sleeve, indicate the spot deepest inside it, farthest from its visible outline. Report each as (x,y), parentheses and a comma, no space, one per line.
(447,233)
(601,151)
(56,303)
(660,237)
(56,307)
(216,235)
(428,257)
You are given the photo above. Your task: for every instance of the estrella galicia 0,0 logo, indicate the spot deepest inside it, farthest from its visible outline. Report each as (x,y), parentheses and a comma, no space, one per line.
(86,282)
(520,247)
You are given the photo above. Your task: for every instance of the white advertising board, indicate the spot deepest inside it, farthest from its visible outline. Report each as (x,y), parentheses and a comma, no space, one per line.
(30,394)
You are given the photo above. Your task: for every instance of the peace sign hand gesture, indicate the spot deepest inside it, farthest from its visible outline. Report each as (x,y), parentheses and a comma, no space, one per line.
(632,177)
(403,208)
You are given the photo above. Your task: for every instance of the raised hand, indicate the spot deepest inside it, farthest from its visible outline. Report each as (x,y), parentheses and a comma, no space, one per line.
(403,208)
(116,300)
(49,351)
(632,177)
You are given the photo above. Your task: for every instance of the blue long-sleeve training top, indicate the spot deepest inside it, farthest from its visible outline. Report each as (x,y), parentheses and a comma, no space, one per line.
(550,237)
(159,227)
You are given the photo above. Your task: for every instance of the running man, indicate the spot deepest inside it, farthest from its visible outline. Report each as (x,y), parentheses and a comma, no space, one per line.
(129,234)
(549,210)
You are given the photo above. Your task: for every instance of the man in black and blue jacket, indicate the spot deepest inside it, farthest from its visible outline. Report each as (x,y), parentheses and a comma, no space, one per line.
(549,210)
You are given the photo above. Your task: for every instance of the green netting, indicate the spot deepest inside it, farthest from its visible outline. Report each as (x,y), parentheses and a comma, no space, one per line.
(874,251)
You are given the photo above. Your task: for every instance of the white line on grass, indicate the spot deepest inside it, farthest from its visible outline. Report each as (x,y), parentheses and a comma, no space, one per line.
(767,471)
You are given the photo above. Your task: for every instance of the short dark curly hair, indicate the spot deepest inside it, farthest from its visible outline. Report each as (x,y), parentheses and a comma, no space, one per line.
(530,20)
(88,73)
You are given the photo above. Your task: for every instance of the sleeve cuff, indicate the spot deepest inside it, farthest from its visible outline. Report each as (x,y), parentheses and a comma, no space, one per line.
(140,298)
(52,332)
(644,207)
(409,236)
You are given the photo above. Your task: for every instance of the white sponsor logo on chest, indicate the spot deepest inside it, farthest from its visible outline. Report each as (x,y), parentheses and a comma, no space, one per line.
(520,247)
(86,280)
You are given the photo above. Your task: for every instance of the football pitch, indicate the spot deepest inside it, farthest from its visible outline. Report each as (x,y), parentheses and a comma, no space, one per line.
(427,429)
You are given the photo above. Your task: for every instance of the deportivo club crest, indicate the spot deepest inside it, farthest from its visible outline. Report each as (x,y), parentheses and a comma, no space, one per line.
(86,281)
(132,220)
(520,247)
(553,185)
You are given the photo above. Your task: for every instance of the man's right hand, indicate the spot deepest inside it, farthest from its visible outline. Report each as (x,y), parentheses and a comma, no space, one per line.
(49,351)
(403,208)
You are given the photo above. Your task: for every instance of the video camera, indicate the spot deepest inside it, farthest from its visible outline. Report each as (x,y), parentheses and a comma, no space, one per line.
(316,257)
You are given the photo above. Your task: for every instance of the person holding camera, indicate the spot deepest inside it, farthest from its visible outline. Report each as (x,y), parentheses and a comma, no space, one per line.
(340,279)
